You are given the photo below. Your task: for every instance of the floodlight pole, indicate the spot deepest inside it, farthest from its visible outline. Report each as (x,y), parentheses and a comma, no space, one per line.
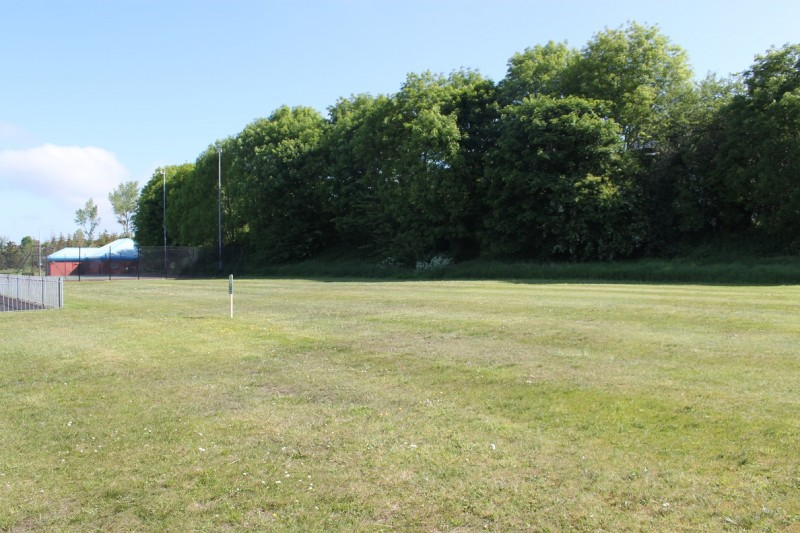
(164,175)
(219,205)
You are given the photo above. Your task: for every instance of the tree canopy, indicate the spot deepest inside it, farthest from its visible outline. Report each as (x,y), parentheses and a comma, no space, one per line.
(609,151)
(123,202)
(86,217)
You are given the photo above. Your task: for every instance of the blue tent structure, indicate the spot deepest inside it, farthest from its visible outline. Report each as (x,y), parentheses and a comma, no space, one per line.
(117,257)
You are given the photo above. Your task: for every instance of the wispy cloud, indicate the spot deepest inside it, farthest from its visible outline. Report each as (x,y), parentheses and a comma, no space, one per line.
(13,135)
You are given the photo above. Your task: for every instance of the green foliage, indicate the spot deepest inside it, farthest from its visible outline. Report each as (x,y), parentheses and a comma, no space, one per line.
(552,184)
(695,198)
(757,165)
(279,185)
(87,218)
(403,172)
(432,192)
(604,152)
(182,204)
(354,148)
(196,199)
(153,217)
(640,74)
(538,71)
(123,201)
(148,219)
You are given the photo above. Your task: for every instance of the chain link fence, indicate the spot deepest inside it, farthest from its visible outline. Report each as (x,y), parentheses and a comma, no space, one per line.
(153,262)
(26,261)
(146,261)
(188,262)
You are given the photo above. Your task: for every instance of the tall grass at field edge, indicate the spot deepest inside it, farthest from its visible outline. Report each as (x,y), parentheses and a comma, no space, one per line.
(774,271)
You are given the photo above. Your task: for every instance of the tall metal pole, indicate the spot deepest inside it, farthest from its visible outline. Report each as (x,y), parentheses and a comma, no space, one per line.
(164,175)
(219,205)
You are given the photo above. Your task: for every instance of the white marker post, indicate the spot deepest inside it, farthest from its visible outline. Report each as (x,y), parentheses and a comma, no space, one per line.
(230,291)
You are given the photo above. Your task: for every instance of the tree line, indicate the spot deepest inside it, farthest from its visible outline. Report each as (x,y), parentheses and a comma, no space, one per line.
(610,151)
(29,255)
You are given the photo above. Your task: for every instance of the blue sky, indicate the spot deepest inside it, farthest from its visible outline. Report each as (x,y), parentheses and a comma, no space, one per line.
(97,92)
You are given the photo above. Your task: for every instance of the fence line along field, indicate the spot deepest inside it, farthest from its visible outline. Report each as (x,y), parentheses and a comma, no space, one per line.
(414,406)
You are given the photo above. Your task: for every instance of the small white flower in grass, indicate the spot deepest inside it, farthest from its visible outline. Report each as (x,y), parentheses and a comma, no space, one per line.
(69,424)
(202,449)
(493,446)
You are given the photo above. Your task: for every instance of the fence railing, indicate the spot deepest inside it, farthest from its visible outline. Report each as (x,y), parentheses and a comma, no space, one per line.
(21,293)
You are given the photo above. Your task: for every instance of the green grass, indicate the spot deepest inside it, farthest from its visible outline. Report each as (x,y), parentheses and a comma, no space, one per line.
(409,406)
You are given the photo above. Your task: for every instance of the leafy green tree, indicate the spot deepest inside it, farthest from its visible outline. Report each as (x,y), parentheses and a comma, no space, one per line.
(425,197)
(277,184)
(87,218)
(180,203)
(200,197)
(757,165)
(553,184)
(640,74)
(538,71)
(427,158)
(123,202)
(697,203)
(4,252)
(150,219)
(354,148)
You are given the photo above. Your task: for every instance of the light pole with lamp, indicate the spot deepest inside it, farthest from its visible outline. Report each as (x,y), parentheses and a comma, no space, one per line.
(164,176)
(219,204)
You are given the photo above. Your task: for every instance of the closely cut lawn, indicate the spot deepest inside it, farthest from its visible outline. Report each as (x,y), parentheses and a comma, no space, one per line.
(409,406)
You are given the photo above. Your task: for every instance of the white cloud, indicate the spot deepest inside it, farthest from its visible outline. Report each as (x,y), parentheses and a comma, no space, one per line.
(46,184)
(67,173)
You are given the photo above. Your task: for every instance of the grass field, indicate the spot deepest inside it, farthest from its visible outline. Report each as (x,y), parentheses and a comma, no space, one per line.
(408,406)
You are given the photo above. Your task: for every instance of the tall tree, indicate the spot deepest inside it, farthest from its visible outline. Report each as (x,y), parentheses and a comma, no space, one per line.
(757,165)
(278,184)
(354,149)
(696,204)
(642,76)
(201,197)
(538,71)
(181,204)
(426,199)
(435,130)
(153,216)
(554,187)
(123,202)
(87,218)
